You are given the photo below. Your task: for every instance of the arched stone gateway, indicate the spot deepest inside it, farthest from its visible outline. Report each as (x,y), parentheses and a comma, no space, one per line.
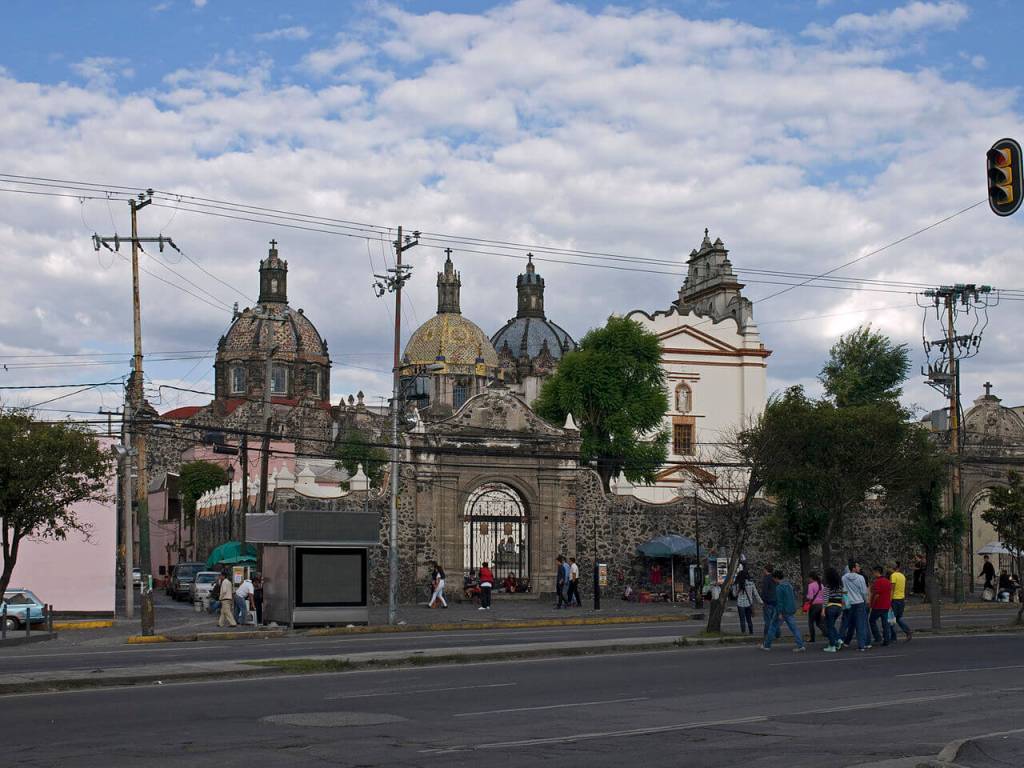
(497,530)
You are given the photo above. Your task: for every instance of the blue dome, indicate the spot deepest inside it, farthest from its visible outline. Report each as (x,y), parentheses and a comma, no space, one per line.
(533,331)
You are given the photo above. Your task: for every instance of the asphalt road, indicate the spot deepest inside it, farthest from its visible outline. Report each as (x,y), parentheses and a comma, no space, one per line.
(695,707)
(52,657)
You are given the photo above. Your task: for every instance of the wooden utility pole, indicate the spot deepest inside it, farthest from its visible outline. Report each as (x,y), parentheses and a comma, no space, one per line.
(135,395)
(268,414)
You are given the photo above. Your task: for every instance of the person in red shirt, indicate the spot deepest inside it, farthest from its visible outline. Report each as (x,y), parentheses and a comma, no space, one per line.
(881,602)
(486,582)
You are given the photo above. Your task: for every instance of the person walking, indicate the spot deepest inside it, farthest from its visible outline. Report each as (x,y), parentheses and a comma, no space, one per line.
(881,603)
(899,600)
(771,623)
(856,590)
(561,577)
(574,583)
(988,572)
(257,599)
(437,581)
(815,601)
(227,616)
(785,603)
(833,608)
(486,583)
(746,598)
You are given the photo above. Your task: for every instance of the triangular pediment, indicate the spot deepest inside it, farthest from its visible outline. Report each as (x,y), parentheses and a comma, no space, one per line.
(690,337)
(497,411)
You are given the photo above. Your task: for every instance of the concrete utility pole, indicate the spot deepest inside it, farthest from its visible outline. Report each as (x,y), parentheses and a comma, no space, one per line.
(393,281)
(136,397)
(945,377)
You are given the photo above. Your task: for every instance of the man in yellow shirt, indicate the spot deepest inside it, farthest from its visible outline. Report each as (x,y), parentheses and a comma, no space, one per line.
(899,599)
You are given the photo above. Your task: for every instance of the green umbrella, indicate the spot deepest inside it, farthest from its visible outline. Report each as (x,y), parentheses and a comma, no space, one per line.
(231,553)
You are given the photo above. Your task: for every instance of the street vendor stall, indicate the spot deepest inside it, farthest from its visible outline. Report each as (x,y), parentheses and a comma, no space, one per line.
(670,546)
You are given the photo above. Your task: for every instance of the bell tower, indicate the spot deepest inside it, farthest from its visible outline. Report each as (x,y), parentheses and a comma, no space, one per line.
(273,278)
(449,283)
(530,287)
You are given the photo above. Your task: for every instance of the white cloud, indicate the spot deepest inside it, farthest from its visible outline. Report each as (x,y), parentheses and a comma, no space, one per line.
(327,60)
(284,33)
(891,25)
(199,3)
(102,71)
(534,122)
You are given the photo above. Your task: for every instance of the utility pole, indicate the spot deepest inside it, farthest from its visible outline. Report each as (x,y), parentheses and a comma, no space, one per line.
(124,460)
(944,375)
(268,413)
(393,281)
(136,397)
(696,536)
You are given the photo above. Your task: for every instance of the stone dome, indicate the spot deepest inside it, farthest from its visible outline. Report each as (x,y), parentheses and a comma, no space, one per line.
(528,336)
(301,365)
(450,338)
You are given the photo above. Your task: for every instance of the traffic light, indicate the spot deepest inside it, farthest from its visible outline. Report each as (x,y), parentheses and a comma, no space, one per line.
(1004,177)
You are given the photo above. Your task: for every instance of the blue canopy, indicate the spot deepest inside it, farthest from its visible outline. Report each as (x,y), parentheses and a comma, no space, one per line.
(669,545)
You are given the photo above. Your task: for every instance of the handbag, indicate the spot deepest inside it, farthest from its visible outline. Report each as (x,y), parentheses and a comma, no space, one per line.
(891,617)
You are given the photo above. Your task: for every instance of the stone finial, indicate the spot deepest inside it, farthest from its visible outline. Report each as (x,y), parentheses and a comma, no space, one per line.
(285,479)
(359,481)
(570,424)
(622,486)
(359,397)
(351,400)
(305,476)
(419,427)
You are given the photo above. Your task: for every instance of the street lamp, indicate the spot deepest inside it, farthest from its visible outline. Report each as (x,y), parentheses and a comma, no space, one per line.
(231,507)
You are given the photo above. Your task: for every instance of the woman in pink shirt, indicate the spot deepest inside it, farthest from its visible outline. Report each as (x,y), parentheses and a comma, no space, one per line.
(815,598)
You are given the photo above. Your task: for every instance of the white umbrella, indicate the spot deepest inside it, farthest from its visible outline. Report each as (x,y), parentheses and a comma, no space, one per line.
(995,548)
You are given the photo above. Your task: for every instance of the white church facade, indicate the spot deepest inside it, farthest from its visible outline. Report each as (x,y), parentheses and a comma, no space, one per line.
(715,367)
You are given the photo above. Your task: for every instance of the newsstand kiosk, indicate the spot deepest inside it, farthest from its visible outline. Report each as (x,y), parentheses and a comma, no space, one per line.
(315,567)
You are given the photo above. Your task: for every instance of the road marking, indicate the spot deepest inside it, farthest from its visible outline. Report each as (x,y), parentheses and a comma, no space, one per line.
(866,657)
(414,690)
(595,735)
(548,706)
(881,704)
(962,669)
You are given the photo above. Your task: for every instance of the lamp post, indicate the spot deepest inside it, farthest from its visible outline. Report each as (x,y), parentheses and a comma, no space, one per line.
(231,505)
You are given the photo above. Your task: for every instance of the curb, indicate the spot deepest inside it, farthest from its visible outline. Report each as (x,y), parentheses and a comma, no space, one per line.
(389,629)
(93,624)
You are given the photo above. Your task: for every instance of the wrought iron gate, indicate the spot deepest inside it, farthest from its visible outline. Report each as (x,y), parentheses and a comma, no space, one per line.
(497,531)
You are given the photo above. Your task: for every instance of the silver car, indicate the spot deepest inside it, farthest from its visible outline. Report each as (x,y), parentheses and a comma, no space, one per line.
(202,585)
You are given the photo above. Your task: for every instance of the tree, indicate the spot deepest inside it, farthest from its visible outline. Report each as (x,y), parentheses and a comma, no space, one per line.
(915,495)
(194,479)
(354,448)
(1006,516)
(614,386)
(45,469)
(865,367)
(742,462)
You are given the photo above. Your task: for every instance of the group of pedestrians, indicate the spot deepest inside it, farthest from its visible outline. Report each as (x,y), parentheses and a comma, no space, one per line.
(567,582)
(871,614)
(233,604)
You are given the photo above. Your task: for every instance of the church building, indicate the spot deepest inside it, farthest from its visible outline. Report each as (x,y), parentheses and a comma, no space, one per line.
(715,365)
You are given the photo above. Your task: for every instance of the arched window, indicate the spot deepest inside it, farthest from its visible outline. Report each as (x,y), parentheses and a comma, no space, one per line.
(273,285)
(317,383)
(237,379)
(279,379)
(684,398)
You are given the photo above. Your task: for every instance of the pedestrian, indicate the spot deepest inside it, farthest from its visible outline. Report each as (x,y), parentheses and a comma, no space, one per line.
(833,608)
(899,600)
(437,582)
(771,614)
(815,605)
(486,583)
(574,583)
(881,603)
(243,600)
(226,603)
(785,603)
(856,590)
(746,598)
(919,580)
(561,579)
(257,599)
(988,572)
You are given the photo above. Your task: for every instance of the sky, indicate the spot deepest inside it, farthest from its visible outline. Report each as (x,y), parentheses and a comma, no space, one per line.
(803,134)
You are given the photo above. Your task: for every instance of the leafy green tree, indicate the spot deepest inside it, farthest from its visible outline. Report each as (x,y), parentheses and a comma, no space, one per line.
(45,469)
(865,367)
(355,448)
(614,387)
(1006,516)
(194,479)
(914,494)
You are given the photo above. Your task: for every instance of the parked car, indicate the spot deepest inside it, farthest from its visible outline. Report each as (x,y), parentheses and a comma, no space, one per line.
(136,576)
(182,576)
(21,603)
(203,585)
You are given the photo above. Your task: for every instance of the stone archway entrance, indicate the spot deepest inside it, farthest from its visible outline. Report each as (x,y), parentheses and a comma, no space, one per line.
(497,529)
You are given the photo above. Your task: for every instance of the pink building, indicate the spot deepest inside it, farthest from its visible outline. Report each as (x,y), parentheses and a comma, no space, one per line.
(76,575)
